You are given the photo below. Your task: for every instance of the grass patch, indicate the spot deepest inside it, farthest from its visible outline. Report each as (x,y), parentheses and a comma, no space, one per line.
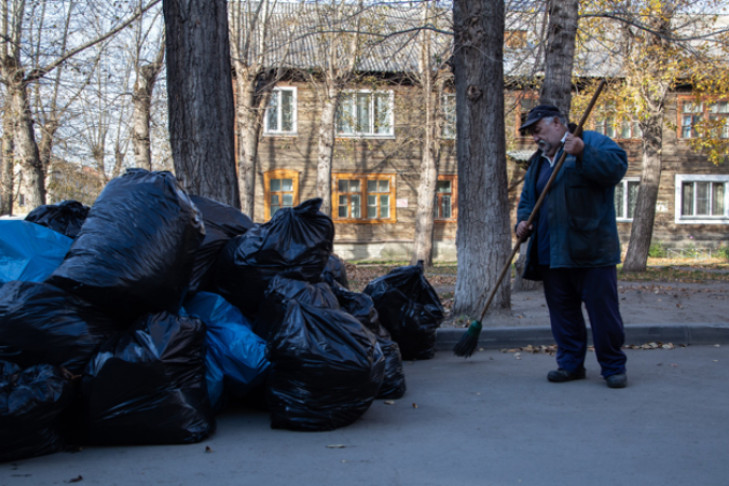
(443,276)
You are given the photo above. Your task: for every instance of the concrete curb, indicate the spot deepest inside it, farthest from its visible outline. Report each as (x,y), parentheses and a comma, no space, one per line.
(515,337)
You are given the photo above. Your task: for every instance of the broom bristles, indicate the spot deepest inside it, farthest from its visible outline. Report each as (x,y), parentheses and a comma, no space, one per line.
(469,341)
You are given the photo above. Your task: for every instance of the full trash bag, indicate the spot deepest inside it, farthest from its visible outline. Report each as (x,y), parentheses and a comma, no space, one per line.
(40,323)
(30,252)
(135,251)
(148,386)
(235,360)
(282,288)
(326,369)
(296,241)
(335,271)
(362,308)
(409,308)
(66,217)
(222,222)
(31,402)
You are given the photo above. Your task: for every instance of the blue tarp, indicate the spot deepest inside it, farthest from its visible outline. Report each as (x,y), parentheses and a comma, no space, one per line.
(29,252)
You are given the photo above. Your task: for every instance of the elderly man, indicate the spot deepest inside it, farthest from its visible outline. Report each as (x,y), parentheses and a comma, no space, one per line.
(574,246)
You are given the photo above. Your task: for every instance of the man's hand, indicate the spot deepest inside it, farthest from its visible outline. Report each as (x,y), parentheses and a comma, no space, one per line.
(522,230)
(573,145)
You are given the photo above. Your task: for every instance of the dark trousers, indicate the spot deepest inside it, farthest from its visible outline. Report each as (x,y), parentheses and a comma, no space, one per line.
(565,290)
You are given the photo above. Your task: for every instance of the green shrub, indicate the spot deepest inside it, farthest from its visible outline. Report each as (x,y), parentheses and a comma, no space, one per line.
(723,252)
(657,250)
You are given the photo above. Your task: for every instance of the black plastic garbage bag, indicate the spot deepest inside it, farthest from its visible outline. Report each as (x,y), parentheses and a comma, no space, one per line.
(148,387)
(66,217)
(40,323)
(281,289)
(409,308)
(335,271)
(296,241)
(31,401)
(134,253)
(326,369)
(222,222)
(363,309)
(235,359)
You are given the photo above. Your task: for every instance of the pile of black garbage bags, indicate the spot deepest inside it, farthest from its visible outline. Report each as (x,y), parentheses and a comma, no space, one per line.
(139,319)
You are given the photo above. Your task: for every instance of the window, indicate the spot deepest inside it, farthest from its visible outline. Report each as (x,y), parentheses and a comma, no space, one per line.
(281,190)
(691,115)
(703,119)
(280,115)
(719,117)
(702,199)
(449,116)
(626,195)
(615,126)
(364,197)
(445,198)
(365,114)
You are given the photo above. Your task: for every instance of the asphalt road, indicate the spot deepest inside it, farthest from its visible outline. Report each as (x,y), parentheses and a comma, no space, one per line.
(492,419)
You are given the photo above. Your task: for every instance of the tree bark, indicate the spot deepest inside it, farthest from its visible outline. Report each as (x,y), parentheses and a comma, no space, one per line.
(560,54)
(641,231)
(326,150)
(424,214)
(248,122)
(200,97)
(653,83)
(141,115)
(483,237)
(27,148)
(8,163)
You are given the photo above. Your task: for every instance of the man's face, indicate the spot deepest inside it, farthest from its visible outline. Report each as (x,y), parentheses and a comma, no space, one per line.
(547,134)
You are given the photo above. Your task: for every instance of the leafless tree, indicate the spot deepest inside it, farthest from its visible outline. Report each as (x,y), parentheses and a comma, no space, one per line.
(200,98)
(484,235)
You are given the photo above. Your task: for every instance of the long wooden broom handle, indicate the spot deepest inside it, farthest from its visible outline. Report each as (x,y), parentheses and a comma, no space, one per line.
(540,200)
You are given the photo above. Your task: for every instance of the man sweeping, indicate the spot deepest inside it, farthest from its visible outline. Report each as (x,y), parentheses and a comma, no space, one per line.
(574,246)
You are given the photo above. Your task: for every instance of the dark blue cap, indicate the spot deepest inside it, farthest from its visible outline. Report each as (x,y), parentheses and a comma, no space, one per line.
(539,112)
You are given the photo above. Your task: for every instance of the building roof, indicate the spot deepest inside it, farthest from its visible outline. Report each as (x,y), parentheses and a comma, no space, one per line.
(300,33)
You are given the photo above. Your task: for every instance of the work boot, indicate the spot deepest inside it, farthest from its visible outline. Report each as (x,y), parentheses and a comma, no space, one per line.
(619,380)
(560,375)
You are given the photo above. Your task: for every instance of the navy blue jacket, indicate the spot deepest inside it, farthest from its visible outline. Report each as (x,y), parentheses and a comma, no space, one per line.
(582,228)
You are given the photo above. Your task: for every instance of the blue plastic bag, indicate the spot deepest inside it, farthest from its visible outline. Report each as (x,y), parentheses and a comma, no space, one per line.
(29,252)
(234,353)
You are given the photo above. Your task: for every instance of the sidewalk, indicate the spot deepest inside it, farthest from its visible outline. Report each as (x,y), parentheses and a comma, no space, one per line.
(490,420)
(635,334)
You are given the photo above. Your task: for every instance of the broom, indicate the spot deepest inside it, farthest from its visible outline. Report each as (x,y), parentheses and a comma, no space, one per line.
(469,341)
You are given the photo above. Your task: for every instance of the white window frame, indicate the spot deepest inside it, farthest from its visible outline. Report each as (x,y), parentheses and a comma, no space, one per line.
(449,116)
(276,94)
(626,198)
(680,179)
(354,133)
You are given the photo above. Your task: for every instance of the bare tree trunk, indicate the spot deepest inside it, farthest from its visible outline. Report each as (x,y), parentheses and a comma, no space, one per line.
(27,148)
(484,236)
(326,150)
(424,217)
(8,162)
(248,122)
(200,97)
(141,116)
(653,94)
(641,231)
(561,33)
